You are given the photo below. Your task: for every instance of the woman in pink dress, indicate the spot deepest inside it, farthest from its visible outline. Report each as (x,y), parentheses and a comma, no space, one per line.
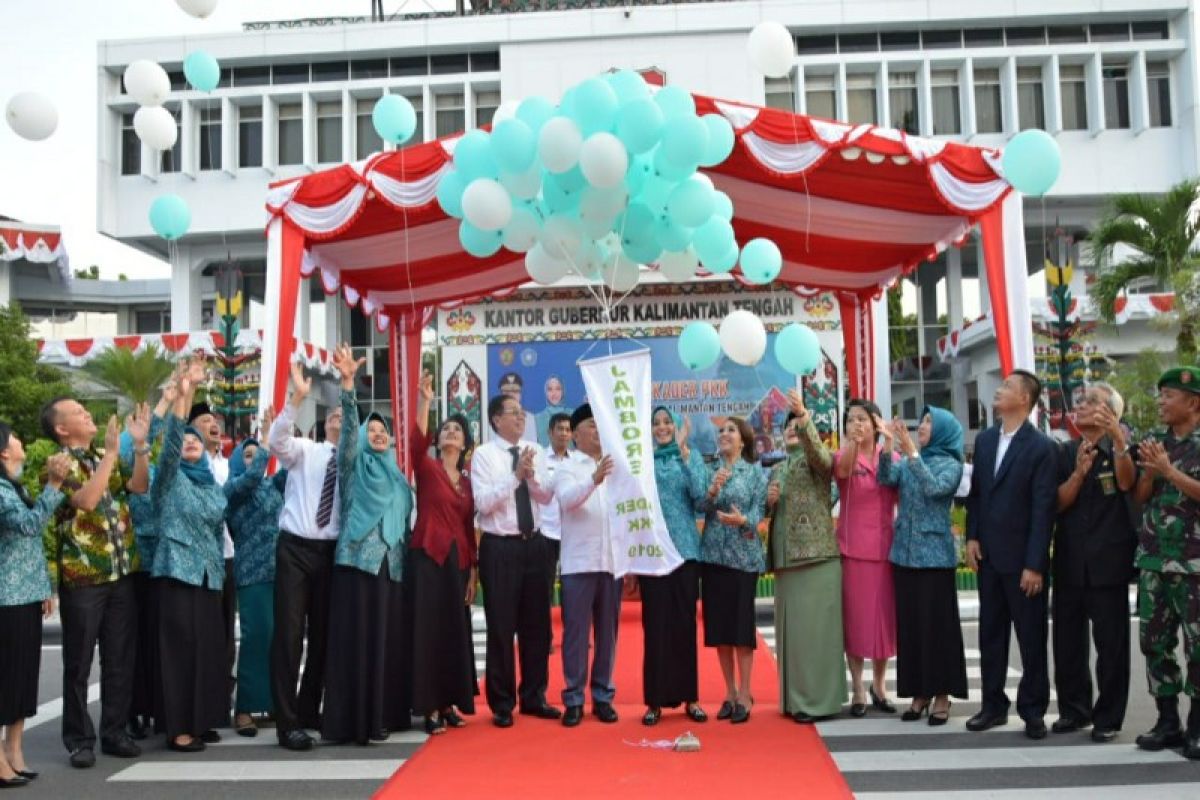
(865,537)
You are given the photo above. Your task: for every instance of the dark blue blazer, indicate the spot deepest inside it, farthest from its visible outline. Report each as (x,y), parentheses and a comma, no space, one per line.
(1011,512)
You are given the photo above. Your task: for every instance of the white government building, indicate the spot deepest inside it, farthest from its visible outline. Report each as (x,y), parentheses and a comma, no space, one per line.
(1114,81)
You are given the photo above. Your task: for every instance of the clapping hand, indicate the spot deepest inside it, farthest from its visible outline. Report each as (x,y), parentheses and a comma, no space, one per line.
(137,424)
(112,435)
(681,436)
(58,467)
(718,481)
(733,517)
(525,465)
(1153,458)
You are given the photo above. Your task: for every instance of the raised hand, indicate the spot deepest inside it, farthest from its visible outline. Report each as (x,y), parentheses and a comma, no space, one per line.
(525,465)
(197,373)
(427,386)
(1085,458)
(603,470)
(903,437)
(347,365)
(301,385)
(268,419)
(58,467)
(1109,423)
(1152,457)
(884,429)
(170,390)
(137,424)
(796,402)
(112,435)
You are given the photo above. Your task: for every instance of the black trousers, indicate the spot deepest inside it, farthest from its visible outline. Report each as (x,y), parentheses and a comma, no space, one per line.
(303,572)
(1106,610)
(229,613)
(516,602)
(104,614)
(1002,607)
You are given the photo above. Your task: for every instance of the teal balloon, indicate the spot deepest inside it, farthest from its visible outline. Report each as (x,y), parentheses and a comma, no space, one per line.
(170,216)
(640,125)
(655,193)
(394,118)
(628,85)
(670,235)
(761,261)
(643,251)
(480,244)
(573,180)
(202,70)
(671,170)
(797,349)
(722,206)
(691,203)
(699,346)
(712,240)
(513,145)
(1032,162)
(473,157)
(558,198)
(722,264)
(684,141)
(640,170)
(720,140)
(636,224)
(594,105)
(534,111)
(449,193)
(675,102)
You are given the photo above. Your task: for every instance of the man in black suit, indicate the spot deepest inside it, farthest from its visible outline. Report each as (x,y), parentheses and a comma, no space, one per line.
(1094,540)
(1010,514)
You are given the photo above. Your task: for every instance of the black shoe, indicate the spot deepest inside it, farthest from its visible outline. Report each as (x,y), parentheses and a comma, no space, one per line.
(296,740)
(912,713)
(435,726)
(804,718)
(573,717)
(137,729)
(1191,747)
(210,736)
(858,709)
(502,719)
(1167,731)
(27,774)
(741,713)
(652,716)
(984,720)
(196,745)
(725,711)
(1035,728)
(453,719)
(1068,725)
(380,735)
(696,713)
(604,712)
(1103,735)
(83,758)
(14,782)
(880,703)
(544,711)
(121,748)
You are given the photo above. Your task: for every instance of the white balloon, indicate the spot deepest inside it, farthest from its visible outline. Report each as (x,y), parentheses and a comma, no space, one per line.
(31,116)
(197,8)
(678,267)
(604,161)
(147,83)
(543,268)
(562,237)
(521,232)
(486,204)
(743,337)
(772,49)
(559,143)
(523,185)
(155,126)
(620,274)
(506,110)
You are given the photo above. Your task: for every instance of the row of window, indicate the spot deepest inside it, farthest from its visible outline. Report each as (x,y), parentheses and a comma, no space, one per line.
(820,97)
(955,39)
(449,110)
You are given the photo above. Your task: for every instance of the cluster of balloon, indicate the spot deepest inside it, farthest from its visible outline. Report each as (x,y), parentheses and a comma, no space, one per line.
(744,339)
(1031,162)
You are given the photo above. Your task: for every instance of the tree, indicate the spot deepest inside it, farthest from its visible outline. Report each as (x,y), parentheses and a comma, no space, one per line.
(902,338)
(1137,381)
(92,273)
(135,376)
(1162,232)
(25,385)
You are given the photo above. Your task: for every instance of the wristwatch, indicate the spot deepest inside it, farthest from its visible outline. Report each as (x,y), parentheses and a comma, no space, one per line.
(142,451)
(1124,451)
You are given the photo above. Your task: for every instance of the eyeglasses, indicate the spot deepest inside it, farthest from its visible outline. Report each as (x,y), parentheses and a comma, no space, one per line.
(513,412)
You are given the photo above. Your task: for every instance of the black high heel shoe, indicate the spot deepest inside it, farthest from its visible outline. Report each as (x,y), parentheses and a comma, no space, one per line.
(652,716)
(912,713)
(725,711)
(941,717)
(451,717)
(14,782)
(696,713)
(435,726)
(880,703)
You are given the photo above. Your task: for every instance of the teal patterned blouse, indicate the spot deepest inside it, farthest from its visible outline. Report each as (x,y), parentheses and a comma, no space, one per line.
(191,520)
(141,506)
(24,577)
(681,488)
(736,548)
(368,553)
(253,517)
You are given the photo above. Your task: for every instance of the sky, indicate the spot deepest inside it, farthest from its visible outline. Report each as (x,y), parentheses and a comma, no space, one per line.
(49,46)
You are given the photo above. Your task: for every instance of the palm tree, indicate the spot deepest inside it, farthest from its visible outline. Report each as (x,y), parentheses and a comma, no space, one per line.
(1161,230)
(135,376)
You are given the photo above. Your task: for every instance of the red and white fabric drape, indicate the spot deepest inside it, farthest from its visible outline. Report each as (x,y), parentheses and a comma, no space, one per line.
(37,244)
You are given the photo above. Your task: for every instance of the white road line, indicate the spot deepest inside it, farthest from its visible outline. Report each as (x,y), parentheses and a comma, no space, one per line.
(207,771)
(266,738)
(892,726)
(53,709)
(1160,791)
(1032,755)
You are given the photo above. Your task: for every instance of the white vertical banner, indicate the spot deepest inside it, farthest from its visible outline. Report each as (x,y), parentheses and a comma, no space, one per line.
(618,388)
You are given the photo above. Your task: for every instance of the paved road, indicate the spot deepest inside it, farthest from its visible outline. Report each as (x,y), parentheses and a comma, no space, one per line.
(880,756)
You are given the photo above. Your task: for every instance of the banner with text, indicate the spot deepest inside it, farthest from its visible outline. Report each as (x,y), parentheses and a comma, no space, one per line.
(618,387)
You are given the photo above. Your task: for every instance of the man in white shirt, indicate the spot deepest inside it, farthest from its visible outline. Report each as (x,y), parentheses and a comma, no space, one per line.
(308,530)
(592,568)
(510,485)
(560,453)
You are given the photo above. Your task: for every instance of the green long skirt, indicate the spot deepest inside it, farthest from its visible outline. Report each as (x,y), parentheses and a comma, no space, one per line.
(808,638)
(256,610)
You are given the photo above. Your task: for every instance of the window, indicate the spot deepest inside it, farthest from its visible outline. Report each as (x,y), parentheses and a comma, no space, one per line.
(1031,104)
(289,73)
(178,81)
(858,42)
(369,68)
(984,37)
(210,138)
(1158,92)
(329,132)
(1151,31)
(1022,36)
(779,94)
(1073,87)
(366,138)
(451,115)
(860,98)
(486,103)
(448,63)
(153,321)
(250,136)
(989,114)
(291,134)
(820,99)
(900,40)
(947,111)
(1110,32)
(485,62)
(812,45)
(1116,95)
(330,71)
(902,97)
(409,65)
(941,40)
(131,147)
(172,159)
(1067,34)
(251,76)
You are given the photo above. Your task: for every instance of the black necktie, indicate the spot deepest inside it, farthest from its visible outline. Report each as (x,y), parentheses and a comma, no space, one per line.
(524,506)
(325,507)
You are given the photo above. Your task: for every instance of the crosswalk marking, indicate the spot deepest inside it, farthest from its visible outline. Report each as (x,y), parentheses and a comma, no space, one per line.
(266,737)
(361,769)
(53,709)
(1161,791)
(1039,756)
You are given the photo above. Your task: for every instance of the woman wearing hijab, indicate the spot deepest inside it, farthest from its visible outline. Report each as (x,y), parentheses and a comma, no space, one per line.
(189,564)
(442,571)
(24,596)
(930,660)
(253,520)
(555,390)
(669,602)
(366,682)
(802,551)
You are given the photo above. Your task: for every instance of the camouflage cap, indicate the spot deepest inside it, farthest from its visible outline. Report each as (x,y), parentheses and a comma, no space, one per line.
(1186,379)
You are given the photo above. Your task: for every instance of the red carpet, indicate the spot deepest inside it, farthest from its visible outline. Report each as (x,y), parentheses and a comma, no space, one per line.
(769,756)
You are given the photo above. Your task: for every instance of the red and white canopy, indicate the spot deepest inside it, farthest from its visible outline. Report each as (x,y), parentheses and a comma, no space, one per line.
(40,244)
(851,207)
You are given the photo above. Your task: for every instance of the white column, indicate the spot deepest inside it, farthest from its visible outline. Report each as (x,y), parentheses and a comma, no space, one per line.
(883,356)
(189,128)
(349,127)
(1095,95)
(335,307)
(1052,88)
(954,291)
(1139,102)
(5,284)
(924,100)
(841,105)
(985,299)
(270,135)
(966,98)
(185,293)
(1008,96)
(303,312)
(125,320)
(308,136)
(229,127)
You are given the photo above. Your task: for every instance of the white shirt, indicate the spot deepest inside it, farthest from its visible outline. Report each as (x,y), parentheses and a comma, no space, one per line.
(550,517)
(587,541)
(964,485)
(1002,447)
(494,484)
(218,464)
(306,462)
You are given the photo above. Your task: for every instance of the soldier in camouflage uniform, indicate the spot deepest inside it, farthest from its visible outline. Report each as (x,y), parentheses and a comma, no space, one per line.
(1168,557)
